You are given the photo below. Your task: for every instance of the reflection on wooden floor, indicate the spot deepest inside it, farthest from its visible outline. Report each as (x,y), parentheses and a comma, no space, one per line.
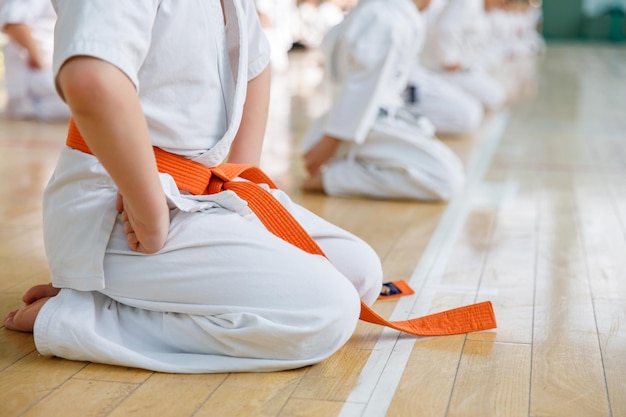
(539,230)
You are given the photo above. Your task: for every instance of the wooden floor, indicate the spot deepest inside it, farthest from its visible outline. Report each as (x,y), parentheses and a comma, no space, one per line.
(540,230)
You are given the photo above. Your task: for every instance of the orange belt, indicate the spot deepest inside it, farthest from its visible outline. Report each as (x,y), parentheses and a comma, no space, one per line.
(198,179)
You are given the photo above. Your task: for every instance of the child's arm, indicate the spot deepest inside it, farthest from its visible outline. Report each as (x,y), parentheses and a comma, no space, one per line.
(320,153)
(108,113)
(21,34)
(248,143)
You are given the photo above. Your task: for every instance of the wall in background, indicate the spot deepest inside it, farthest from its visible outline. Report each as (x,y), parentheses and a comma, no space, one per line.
(565,19)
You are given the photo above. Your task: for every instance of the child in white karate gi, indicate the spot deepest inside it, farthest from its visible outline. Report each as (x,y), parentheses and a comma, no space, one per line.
(368,143)
(29,26)
(150,276)
(458,48)
(316,18)
(451,110)
(276,19)
(513,28)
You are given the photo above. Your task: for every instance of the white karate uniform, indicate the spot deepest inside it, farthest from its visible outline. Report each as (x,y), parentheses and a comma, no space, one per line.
(30,92)
(514,33)
(315,20)
(329,15)
(223,294)
(450,109)
(307,32)
(279,31)
(457,34)
(385,152)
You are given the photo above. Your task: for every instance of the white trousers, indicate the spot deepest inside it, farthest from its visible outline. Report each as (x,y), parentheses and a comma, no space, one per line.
(399,159)
(479,84)
(224,295)
(449,108)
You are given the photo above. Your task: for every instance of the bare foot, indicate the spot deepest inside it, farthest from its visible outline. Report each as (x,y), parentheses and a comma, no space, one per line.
(313,184)
(23,319)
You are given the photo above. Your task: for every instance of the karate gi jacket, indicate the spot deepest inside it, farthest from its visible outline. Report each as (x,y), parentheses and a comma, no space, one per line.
(197,115)
(369,56)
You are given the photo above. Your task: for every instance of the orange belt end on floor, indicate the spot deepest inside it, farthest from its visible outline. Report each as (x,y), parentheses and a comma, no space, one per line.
(466,319)
(199,179)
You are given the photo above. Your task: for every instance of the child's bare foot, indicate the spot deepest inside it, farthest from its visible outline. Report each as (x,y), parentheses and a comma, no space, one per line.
(313,184)
(23,319)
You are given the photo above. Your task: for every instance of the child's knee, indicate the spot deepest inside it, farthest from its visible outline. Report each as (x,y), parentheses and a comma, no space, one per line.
(470,117)
(360,264)
(369,277)
(326,329)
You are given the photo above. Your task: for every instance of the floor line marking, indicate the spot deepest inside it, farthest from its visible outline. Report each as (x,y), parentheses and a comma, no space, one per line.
(381,374)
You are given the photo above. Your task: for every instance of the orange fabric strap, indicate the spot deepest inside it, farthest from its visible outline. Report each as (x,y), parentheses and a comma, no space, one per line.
(197,179)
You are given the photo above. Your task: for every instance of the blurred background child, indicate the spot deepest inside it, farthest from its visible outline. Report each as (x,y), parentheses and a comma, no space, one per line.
(29,26)
(368,143)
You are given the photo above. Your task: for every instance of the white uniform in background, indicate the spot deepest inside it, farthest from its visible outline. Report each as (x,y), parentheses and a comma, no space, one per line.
(386,152)
(307,32)
(514,33)
(315,20)
(278,16)
(223,294)
(450,109)
(31,92)
(516,42)
(504,28)
(533,18)
(329,15)
(457,35)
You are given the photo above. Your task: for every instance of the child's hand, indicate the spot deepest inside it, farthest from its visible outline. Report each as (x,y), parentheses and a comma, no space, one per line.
(144,236)
(36,60)
(453,67)
(321,152)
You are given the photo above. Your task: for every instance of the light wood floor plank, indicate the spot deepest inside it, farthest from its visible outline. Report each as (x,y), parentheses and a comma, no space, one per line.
(611,316)
(243,395)
(305,408)
(78,398)
(508,275)
(166,395)
(25,383)
(503,373)
(99,372)
(603,239)
(14,348)
(428,379)
(567,373)
(32,264)
(334,378)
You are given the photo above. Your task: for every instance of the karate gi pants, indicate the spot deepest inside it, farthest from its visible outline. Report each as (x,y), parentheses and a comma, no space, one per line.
(450,109)
(479,84)
(223,295)
(399,159)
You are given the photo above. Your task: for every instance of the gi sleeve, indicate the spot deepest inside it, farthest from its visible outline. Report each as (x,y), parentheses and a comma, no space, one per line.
(449,33)
(258,45)
(116,31)
(369,50)
(16,11)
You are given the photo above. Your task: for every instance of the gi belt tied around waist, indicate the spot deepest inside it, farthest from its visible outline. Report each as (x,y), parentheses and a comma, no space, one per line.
(198,179)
